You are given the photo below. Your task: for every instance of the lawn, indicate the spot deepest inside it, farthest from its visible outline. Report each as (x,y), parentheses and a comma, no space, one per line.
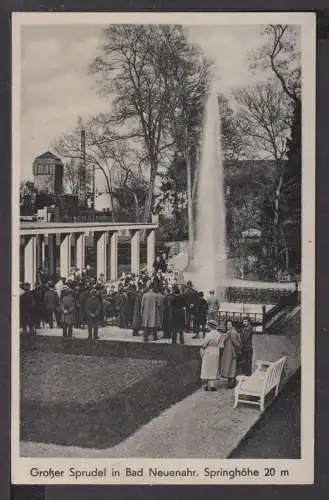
(82,379)
(95,401)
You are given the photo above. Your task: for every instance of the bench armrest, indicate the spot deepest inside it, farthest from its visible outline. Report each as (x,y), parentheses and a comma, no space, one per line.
(240,379)
(259,363)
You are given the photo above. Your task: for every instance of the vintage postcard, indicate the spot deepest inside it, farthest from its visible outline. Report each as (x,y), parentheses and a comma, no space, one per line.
(163,201)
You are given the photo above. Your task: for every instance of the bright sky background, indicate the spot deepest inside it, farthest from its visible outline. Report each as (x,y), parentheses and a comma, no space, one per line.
(56,89)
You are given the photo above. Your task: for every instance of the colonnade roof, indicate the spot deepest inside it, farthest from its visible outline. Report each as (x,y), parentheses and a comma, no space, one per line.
(32,228)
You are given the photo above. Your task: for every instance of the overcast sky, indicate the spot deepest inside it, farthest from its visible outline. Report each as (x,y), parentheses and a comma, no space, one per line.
(56,87)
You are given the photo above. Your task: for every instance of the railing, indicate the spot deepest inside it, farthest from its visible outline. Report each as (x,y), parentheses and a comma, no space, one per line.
(275,328)
(285,302)
(271,313)
(256,319)
(260,295)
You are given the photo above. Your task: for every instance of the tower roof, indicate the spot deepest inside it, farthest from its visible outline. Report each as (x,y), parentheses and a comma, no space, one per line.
(48,155)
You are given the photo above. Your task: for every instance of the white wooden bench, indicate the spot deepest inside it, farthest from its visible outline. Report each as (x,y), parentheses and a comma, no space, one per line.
(265,378)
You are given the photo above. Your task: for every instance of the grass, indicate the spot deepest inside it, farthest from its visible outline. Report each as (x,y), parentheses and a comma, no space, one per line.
(96,402)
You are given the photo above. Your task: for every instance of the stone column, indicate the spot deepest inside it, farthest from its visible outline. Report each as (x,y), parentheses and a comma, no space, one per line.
(101,253)
(150,250)
(135,251)
(65,255)
(43,252)
(114,255)
(38,252)
(80,251)
(52,254)
(30,260)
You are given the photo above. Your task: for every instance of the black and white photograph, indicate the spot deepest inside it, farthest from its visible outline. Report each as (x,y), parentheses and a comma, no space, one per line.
(163,248)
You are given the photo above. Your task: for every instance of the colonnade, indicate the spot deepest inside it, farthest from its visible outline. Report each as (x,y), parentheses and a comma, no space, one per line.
(40,248)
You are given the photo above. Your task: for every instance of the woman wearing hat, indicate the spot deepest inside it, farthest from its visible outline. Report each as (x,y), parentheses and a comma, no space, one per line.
(211,353)
(231,353)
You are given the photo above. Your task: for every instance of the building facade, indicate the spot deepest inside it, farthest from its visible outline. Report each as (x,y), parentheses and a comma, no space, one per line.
(48,173)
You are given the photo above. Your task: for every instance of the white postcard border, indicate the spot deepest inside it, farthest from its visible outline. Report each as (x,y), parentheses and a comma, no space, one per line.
(301,471)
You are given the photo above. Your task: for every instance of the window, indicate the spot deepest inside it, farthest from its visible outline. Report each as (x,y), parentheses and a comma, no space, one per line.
(44,169)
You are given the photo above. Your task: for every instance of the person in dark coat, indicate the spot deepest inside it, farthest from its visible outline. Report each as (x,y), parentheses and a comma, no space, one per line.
(84,294)
(166,314)
(120,300)
(93,311)
(39,310)
(67,312)
(177,316)
(202,314)
(27,309)
(129,306)
(231,353)
(137,318)
(51,302)
(245,358)
(77,306)
(101,293)
(191,301)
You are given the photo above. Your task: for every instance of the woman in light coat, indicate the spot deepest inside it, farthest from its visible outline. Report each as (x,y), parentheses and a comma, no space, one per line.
(211,352)
(231,352)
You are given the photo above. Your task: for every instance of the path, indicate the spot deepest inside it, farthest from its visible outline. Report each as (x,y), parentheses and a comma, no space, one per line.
(202,425)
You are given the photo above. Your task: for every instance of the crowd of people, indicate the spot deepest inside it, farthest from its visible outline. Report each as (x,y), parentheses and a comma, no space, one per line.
(146,304)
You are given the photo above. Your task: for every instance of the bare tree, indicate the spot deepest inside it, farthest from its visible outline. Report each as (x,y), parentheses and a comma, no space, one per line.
(280,56)
(235,143)
(138,66)
(75,178)
(265,116)
(107,152)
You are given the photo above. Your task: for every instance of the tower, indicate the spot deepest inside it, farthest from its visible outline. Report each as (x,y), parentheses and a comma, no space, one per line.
(48,173)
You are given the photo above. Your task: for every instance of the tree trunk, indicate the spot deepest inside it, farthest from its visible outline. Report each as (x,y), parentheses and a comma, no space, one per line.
(149,199)
(110,191)
(190,210)
(136,205)
(276,220)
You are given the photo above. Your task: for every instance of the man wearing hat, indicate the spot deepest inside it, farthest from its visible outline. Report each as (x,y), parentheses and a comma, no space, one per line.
(202,314)
(191,300)
(246,350)
(27,304)
(93,313)
(67,311)
(51,302)
(177,316)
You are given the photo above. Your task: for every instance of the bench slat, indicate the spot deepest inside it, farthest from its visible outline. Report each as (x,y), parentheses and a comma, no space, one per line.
(266,377)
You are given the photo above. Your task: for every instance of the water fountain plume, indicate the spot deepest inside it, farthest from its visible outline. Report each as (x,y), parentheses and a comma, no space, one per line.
(210,252)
